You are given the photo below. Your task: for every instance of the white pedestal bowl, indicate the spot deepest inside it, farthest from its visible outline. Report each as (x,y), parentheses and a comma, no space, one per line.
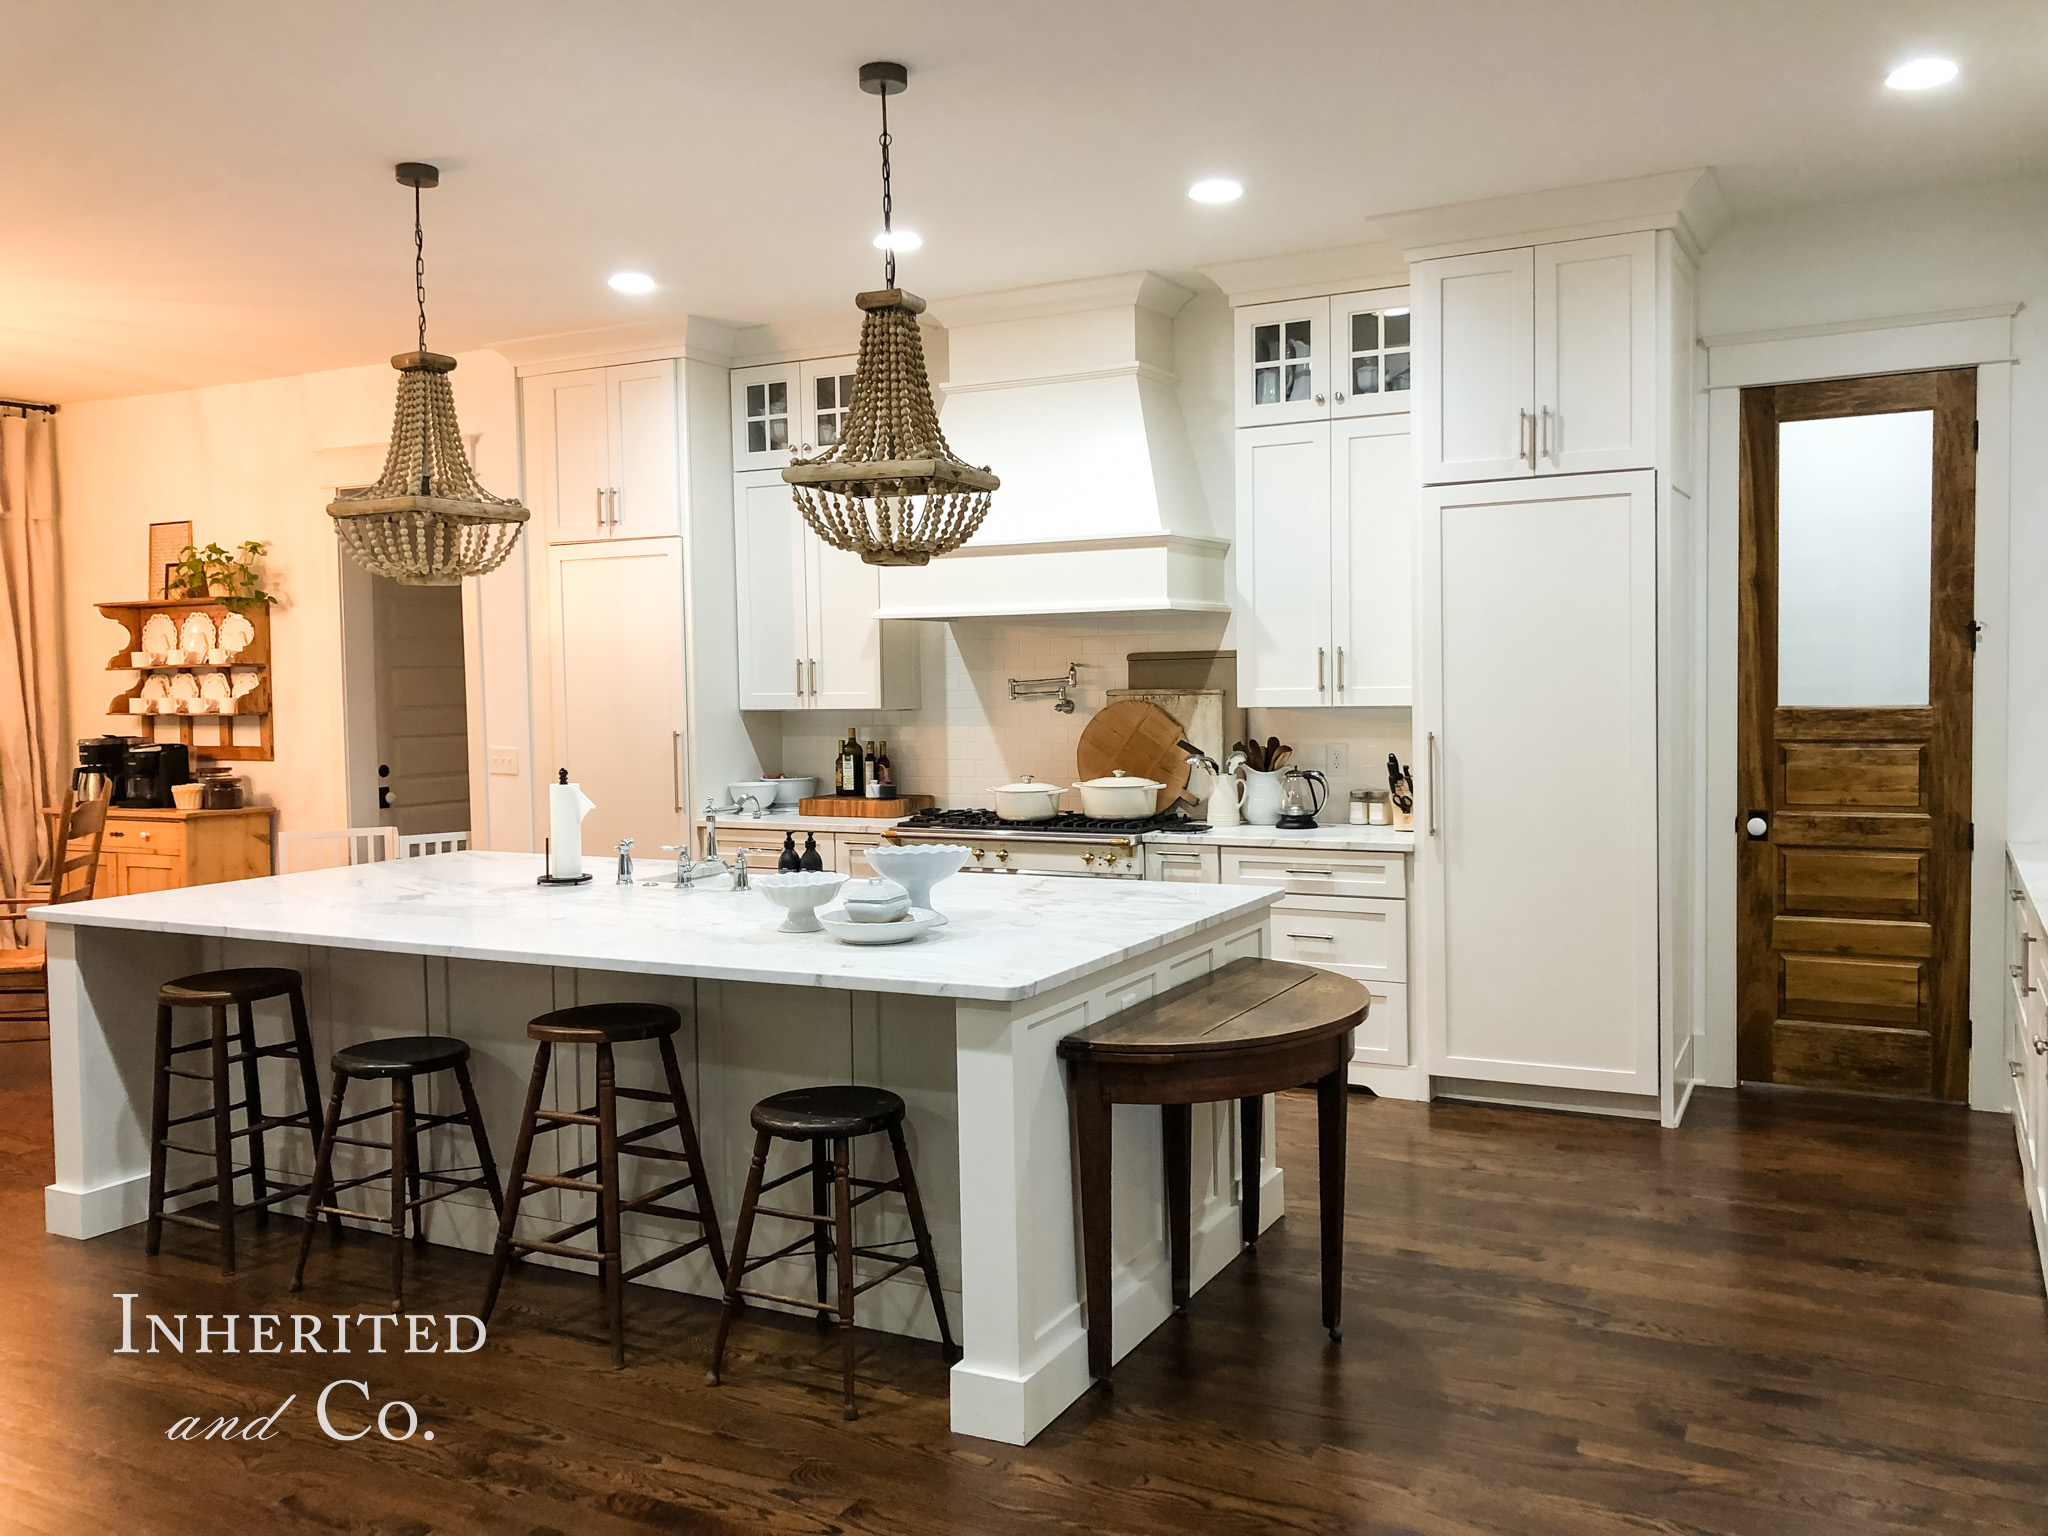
(800,894)
(917,867)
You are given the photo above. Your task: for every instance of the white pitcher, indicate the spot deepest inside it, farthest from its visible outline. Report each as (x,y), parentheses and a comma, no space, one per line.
(1261,797)
(1226,796)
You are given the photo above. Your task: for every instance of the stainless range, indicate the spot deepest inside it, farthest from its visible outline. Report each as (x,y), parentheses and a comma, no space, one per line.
(1092,847)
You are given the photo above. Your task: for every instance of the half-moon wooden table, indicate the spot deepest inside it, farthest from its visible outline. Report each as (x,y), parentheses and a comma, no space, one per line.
(1245,1030)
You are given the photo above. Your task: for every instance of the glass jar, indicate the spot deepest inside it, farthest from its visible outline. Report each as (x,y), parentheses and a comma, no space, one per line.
(1358,808)
(220,791)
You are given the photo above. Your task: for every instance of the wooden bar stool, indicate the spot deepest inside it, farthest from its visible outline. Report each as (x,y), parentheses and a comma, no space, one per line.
(217,992)
(836,1115)
(605,1025)
(399,1061)
(1245,1030)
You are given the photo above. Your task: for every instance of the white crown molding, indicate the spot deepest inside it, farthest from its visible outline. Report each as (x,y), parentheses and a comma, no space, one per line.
(1115,371)
(1120,290)
(1687,202)
(691,336)
(1957,338)
(1308,274)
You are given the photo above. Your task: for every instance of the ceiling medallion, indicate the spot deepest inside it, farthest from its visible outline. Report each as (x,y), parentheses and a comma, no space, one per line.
(426,522)
(890,490)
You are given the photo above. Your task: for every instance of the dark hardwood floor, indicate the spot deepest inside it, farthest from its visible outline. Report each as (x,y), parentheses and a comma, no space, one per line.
(1795,1315)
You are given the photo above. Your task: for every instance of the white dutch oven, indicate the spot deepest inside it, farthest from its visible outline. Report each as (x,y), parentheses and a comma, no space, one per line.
(1119,795)
(1027,800)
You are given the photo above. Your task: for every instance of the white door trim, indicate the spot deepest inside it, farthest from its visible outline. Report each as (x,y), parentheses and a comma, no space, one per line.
(1959,339)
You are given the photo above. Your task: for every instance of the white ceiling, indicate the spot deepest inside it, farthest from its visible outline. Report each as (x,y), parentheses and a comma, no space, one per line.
(202,192)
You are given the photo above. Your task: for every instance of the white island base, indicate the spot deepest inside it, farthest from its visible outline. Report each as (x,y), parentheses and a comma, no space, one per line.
(962,1024)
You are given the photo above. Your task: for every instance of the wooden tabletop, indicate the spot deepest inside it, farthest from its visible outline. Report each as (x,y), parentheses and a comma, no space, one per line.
(1247,1003)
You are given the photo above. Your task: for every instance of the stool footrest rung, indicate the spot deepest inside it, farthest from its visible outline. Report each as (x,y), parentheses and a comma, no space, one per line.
(888,1274)
(831,1308)
(557,1181)
(669,1212)
(191,1221)
(669,1257)
(643,1132)
(664,1154)
(562,1232)
(557,1117)
(560,1250)
(801,1245)
(644,1095)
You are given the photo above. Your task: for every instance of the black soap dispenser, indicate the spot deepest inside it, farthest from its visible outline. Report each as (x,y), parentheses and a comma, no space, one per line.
(812,859)
(791,860)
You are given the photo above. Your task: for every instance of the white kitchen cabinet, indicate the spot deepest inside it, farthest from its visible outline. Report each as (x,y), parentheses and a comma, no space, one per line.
(1353,936)
(2027,1048)
(783,410)
(1181,866)
(1324,551)
(808,635)
(1537,360)
(604,452)
(617,627)
(1314,359)
(1538,694)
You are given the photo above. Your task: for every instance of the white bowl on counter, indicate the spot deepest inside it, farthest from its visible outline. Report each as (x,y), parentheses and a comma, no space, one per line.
(917,867)
(790,791)
(800,894)
(915,923)
(1119,795)
(763,791)
(1027,800)
(874,901)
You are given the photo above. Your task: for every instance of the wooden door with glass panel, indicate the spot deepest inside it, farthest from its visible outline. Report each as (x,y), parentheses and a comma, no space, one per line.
(1856,631)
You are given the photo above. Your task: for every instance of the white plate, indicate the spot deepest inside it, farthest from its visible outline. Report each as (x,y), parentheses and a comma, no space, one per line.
(918,920)
(236,632)
(159,633)
(196,634)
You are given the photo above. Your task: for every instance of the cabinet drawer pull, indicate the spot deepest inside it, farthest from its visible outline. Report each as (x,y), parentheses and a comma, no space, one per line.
(1429,767)
(1340,669)
(814,677)
(1327,874)
(1525,437)
(799,677)
(1320,653)
(1544,415)
(1324,937)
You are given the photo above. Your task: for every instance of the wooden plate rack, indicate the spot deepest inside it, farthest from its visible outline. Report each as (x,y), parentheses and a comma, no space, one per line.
(257,703)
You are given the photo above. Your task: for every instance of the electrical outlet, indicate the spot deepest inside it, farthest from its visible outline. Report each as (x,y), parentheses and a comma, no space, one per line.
(504,760)
(1336,759)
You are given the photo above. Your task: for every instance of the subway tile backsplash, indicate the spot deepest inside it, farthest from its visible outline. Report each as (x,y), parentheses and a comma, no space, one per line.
(970,736)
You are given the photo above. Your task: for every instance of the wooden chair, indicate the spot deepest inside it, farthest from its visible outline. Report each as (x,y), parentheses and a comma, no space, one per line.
(74,864)
(424,843)
(330,850)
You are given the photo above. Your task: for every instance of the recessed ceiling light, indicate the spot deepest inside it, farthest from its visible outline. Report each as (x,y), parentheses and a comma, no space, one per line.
(632,282)
(1216,189)
(898,240)
(1922,74)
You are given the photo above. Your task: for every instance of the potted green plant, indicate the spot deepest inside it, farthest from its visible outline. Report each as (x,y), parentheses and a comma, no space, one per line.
(228,576)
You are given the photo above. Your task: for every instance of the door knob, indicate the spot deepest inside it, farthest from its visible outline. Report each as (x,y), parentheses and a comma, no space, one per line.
(1758,826)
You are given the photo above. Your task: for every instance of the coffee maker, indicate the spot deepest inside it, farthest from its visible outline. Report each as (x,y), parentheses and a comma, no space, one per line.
(148,770)
(100,763)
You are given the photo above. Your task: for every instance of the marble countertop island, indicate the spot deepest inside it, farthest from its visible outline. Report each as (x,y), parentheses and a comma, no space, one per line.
(1006,940)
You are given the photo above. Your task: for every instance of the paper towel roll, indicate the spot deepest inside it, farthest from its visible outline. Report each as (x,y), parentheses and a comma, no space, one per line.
(567,806)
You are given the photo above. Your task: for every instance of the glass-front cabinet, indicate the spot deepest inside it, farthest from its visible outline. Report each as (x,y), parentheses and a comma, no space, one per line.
(1315,359)
(781,410)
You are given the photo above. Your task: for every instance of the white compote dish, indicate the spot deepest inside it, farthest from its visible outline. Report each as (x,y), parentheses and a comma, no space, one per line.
(917,869)
(800,894)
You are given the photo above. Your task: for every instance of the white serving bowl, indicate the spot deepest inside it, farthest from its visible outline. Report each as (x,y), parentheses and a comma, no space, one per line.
(917,867)
(800,894)
(790,791)
(917,921)
(763,791)
(874,901)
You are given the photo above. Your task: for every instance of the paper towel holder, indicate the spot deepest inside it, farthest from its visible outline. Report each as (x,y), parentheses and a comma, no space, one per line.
(546,848)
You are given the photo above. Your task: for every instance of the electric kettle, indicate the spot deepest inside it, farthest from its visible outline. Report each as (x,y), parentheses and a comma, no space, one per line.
(1302,793)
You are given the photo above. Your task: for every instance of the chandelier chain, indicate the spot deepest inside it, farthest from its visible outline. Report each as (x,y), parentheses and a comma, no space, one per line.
(888,203)
(419,264)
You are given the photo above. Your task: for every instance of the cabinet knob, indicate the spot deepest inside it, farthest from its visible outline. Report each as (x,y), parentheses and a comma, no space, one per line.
(1319,399)
(1340,397)
(143,836)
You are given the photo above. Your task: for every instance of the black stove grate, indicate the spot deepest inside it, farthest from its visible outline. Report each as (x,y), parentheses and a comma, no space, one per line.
(1065,821)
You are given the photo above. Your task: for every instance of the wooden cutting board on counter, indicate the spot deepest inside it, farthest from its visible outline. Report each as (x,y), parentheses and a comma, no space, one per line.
(1140,738)
(857,805)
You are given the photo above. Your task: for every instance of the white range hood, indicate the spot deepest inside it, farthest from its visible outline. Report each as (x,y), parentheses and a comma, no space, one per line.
(1067,392)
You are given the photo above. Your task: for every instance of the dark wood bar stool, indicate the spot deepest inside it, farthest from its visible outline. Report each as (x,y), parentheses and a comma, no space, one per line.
(217,992)
(1245,1030)
(605,1025)
(834,1116)
(399,1061)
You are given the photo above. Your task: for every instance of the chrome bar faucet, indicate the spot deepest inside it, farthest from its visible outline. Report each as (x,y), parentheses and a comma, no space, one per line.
(739,870)
(625,861)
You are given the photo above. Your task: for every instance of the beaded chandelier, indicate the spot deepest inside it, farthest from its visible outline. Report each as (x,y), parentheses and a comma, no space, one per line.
(426,522)
(890,489)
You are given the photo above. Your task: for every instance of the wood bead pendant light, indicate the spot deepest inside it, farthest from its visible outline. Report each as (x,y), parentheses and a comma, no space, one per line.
(426,522)
(890,489)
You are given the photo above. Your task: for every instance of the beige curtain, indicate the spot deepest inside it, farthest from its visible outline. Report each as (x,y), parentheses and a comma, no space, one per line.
(31,754)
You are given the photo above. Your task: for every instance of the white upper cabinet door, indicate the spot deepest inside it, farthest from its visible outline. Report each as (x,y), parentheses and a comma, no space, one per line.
(824,394)
(1283,363)
(1596,354)
(1283,565)
(645,493)
(768,560)
(763,425)
(843,667)
(1371,351)
(570,454)
(1372,565)
(1475,383)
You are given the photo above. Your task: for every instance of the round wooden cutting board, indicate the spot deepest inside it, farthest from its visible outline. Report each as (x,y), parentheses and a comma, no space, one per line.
(1140,738)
